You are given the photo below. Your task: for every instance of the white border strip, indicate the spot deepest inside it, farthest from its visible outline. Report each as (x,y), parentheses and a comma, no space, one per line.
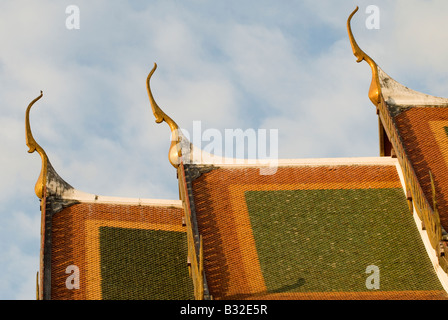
(84,197)
(442,275)
(238,163)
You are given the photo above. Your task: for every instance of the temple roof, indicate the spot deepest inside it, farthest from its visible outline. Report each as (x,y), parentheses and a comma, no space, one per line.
(309,231)
(245,229)
(415,126)
(122,251)
(122,248)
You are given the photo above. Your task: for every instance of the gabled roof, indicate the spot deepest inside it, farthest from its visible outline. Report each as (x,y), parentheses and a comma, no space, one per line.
(416,126)
(310,231)
(216,213)
(232,211)
(122,251)
(99,247)
(421,124)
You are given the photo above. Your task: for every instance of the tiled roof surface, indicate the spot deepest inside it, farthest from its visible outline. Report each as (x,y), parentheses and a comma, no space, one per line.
(424,134)
(122,252)
(310,233)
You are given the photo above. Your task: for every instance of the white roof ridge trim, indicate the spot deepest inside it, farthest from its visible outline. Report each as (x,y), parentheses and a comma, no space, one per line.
(84,197)
(236,163)
(395,93)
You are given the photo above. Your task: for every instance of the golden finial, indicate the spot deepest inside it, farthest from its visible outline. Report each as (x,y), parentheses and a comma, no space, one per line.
(175,151)
(34,146)
(375,88)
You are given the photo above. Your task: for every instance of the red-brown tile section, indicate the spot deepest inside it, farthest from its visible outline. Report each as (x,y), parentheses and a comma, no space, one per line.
(426,152)
(225,258)
(69,234)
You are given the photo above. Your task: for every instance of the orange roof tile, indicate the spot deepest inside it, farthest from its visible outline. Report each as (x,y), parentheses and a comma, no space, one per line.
(241,259)
(85,235)
(424,137)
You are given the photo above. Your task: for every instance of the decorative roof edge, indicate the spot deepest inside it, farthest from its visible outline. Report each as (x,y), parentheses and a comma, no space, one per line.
(396,94)
(55,186)
(218,162)
(424,234)
(84,197)
(175,151)
(375,87)
(48,177)
(382,85)
(34,146)
(181,149)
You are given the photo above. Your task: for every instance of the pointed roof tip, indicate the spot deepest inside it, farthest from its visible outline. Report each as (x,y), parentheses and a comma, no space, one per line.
(382,85)
(48,176)
(355,47)
(175,151)
(30,142)
(158,113)
(151,72)
(34,146)
(375,88)
(155,108)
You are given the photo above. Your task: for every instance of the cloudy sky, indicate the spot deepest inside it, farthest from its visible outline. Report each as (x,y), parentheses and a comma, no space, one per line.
(259,64)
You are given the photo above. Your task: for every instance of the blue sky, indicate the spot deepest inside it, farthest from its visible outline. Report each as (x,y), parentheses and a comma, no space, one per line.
(283,65)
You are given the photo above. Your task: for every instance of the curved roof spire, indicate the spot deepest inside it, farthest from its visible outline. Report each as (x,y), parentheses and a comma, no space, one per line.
(48,176)
(175,152)
(34,146)
(375,88)
(384,86)
(181,147)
